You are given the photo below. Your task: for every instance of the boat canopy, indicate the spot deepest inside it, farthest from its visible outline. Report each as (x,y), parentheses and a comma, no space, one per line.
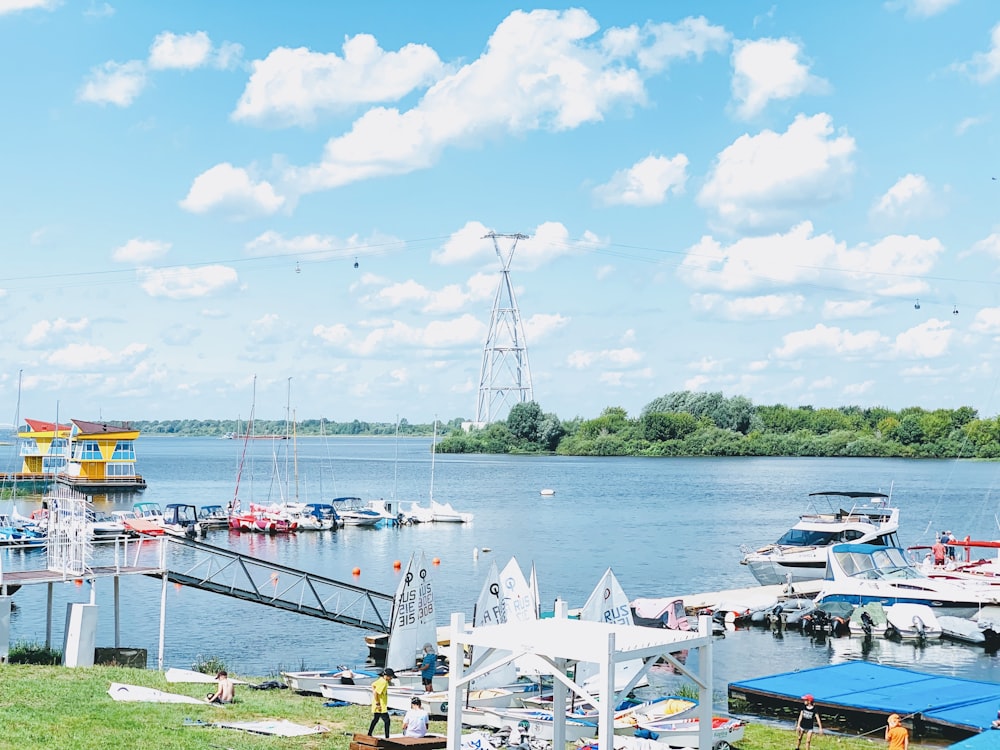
(851,494)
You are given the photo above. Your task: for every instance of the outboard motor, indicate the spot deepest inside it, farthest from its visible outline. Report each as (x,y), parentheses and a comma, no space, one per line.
(867,623)
(918,625)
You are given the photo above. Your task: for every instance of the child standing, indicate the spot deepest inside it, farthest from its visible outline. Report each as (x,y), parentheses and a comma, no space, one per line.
(808,723)
(896,734)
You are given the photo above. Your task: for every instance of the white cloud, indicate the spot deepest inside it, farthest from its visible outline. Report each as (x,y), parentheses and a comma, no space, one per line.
(267,329)
(171,51)
(760,180)
(858,389)
(541,325)
(989,245)
(293,86)
(538,72)
(138,250)
(81,357)
(706,364)
(13,6)
(929,339)
(893,265)
(314,247)
(970,122)
(45,332)
(114,83)
(829,340)
(390,337)
(696,383)
(983,67)
(987,321)
(550,240)
(910,196)
(768,69)
(231,189)
(770,306)
(102,10)
(646,182)
(623,357)
(656,45)
(839,309)
(186,283)
(920,8)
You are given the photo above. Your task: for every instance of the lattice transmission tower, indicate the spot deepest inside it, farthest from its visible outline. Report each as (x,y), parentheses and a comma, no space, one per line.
(505,377)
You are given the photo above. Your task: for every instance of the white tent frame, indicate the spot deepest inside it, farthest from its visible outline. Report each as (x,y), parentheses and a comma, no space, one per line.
(550,646)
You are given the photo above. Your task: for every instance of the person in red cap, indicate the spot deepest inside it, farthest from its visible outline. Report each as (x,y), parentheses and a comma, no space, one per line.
(808,722)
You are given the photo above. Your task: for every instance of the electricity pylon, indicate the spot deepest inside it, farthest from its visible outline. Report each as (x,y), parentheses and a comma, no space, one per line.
(505,377)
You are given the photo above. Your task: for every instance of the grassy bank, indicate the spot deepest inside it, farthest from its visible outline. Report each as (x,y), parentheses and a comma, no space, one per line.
(69,709)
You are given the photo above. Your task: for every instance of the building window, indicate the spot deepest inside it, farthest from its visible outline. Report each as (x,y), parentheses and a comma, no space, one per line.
(53,464)
(124,451)
(119,470)
(87,450)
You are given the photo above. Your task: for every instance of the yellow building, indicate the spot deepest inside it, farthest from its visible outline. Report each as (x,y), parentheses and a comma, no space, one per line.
(90,456)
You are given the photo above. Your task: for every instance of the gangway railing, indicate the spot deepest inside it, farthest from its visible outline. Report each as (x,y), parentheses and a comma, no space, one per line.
(223,571)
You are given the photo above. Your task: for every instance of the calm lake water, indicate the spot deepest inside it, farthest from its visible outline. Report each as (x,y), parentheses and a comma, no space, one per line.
(666,526)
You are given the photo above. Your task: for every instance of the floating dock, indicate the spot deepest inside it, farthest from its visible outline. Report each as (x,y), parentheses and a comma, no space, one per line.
(864,695)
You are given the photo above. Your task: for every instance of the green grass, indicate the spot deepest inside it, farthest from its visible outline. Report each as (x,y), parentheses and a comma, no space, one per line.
(56,707)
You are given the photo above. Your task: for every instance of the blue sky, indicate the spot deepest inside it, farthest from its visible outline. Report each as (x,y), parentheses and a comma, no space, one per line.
(794,202)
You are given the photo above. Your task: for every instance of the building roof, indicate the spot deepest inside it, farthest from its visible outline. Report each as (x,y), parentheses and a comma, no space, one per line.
(37,425)
(100,428)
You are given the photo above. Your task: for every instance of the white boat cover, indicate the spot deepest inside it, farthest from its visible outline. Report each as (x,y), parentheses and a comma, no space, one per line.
(136,693)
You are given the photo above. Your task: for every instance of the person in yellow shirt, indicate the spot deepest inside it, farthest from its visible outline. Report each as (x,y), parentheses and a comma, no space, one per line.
(896,734)
(380,701)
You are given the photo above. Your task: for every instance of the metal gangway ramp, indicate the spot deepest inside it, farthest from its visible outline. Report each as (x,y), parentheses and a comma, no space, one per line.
(222,571)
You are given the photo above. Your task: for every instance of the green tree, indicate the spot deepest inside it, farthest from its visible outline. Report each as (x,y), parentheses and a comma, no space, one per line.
(524,421)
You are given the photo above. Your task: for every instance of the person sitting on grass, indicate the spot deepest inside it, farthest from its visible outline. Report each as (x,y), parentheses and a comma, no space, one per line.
(225,691)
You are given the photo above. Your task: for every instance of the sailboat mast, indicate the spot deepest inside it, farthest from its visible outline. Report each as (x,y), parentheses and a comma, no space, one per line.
(295,454)
(433,452)
(395,462)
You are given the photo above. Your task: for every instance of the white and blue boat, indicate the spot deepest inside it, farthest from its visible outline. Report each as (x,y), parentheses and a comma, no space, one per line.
(863,573)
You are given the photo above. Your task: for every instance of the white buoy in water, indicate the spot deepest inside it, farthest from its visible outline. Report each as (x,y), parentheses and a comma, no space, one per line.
(547,492)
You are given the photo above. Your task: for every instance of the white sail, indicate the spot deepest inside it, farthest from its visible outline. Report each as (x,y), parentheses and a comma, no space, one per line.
(608,603)
(533,585)
(489,606)
(491,610)
(518,598)
(414,622)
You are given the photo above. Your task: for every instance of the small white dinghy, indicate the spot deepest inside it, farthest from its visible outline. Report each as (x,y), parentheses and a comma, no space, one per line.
(547,492)
(913,621)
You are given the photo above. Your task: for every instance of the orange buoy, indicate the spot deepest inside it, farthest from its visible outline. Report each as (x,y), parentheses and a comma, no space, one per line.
(78,581)
(356,572)
(436,561)
(397,565)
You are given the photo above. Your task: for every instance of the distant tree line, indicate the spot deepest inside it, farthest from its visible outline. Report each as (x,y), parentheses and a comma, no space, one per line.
(279,427)
(684,423)
(708,424)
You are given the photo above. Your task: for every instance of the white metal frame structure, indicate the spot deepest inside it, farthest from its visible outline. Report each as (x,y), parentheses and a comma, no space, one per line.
(550,646)
(69,549)
(505,372)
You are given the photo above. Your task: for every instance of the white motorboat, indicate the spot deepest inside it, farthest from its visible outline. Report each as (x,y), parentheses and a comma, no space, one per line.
(353,511)
(444,513)
(213,517)
(418,514)
(800,553)
(862,573)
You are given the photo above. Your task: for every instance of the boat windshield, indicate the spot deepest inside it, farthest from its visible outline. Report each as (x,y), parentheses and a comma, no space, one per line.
(803,538)
(887,562)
